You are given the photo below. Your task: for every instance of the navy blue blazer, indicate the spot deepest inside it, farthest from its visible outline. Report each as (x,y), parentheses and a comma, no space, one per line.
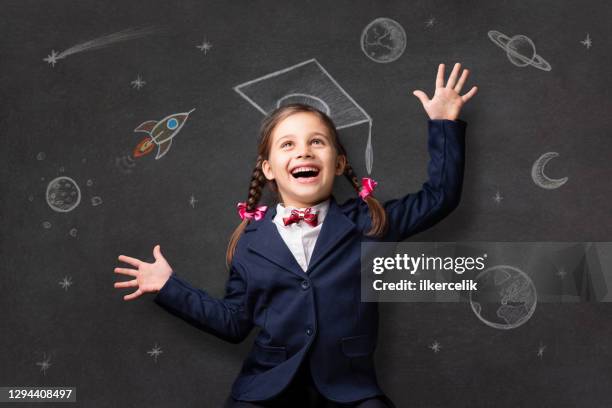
(319,311)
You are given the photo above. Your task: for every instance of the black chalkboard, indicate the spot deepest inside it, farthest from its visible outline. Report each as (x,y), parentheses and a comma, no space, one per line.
(76,79)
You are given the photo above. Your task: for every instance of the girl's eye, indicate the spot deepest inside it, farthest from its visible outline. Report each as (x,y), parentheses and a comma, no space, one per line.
(318,140)
(284,144)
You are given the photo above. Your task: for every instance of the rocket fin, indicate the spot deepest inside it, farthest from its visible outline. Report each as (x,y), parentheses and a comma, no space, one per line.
(146,126)
(163,148)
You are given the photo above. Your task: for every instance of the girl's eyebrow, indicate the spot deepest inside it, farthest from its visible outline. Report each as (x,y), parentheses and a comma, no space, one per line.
(311,134)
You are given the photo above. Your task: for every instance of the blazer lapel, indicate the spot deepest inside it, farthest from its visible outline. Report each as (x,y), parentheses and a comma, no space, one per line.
(270,244)
(335,227)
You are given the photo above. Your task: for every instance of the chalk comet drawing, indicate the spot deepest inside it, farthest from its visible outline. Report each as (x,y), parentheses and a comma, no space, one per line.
(100,42)
(520,50)
(160,133)
(541,179)
(309,83)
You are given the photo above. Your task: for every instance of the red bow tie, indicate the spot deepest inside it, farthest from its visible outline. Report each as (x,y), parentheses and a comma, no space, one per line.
(307,215)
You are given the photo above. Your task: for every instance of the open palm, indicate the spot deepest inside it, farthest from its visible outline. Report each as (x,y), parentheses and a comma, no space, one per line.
(150,277)
(446,102)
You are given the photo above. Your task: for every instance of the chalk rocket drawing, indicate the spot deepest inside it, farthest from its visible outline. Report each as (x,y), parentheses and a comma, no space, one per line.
(100,42)
(520,50)
(541,179)
(160,133)
(383,40)
(309,83)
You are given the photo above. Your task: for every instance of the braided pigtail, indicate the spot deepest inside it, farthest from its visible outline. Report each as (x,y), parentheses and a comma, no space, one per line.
(258,181)
(377,212)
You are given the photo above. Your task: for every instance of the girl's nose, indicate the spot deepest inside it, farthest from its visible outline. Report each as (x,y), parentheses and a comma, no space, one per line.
(304,152)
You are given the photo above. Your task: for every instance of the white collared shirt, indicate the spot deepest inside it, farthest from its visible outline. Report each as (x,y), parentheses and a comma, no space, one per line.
(299,236)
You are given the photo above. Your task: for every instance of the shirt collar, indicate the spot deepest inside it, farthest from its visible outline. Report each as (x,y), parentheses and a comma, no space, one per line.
(282,211)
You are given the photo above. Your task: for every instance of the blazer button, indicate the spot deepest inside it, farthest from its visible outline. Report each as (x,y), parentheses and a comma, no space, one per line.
(305,284)
(309,331)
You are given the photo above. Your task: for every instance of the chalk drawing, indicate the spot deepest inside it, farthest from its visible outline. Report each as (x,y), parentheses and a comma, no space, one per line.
(63,194)
(100,42)
(160,133)
(541,179)
(383,40)
(309,83)
(520,50)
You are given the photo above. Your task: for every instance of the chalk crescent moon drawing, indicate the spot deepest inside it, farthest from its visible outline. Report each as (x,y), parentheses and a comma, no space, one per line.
(541,179)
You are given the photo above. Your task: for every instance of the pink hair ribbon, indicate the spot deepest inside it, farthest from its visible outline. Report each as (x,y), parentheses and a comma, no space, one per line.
(258,213)
(367,186)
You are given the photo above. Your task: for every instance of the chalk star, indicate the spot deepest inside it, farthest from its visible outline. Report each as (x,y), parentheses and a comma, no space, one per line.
(541,350)
(192,201)
(561,273)
(587,42)
(52,59)
(45,364)
(498,197)
(435,346)
(430,22)
(65,283)
(138,82)
(156,351)
(205,46)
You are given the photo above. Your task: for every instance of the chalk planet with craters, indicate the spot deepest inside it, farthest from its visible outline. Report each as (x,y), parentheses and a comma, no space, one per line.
(383,40)
(63,194)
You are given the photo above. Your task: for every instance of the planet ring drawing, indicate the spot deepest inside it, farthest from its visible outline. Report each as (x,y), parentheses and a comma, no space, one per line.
(520,50)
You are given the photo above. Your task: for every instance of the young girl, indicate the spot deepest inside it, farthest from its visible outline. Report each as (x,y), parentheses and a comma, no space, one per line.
(294,269)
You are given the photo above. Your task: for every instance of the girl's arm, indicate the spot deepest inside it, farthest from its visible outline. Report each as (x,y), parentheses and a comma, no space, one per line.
(227,318)
(441,193)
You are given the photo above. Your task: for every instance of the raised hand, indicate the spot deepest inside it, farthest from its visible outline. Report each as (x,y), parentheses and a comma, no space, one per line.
(446,102)
(150,277)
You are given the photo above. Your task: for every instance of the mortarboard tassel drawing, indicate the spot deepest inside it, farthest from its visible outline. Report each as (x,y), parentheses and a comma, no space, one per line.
(308,83)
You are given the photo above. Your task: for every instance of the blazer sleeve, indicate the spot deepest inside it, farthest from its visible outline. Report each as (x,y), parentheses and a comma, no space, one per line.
(229,318)
(441,193)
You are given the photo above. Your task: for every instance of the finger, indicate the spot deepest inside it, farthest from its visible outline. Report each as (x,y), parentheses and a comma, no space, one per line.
(133,295)
(128,259)
(126,271)
(127,284)
(157,252)
(422,96)
(471,93)
(440,77)
(453,76)
(461,81)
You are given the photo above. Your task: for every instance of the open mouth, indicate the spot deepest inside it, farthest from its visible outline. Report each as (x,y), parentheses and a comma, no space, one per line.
(305,174)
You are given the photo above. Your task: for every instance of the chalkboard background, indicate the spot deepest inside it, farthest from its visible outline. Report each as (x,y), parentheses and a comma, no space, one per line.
(76,119)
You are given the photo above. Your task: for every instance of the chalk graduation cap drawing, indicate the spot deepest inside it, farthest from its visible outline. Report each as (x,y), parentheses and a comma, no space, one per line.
(308,83)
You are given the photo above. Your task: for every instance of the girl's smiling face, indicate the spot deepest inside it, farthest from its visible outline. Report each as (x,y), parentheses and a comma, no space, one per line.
(303,160)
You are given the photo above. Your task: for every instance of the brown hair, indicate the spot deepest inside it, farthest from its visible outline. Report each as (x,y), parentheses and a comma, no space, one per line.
(259,180)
